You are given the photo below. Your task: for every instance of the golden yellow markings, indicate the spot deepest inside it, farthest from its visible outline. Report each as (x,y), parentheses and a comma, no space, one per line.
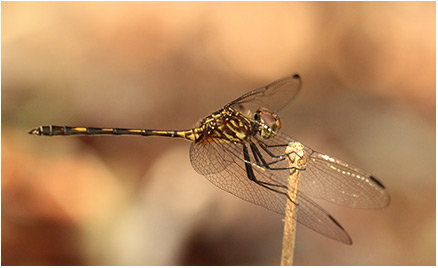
(193,134)
(81,129)
(240,135)
(190,136)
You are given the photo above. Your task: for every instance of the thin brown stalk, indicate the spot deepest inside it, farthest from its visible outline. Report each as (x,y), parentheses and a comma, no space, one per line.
(297,161)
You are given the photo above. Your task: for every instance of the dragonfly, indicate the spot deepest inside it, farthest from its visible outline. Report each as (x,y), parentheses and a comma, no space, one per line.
(240,149)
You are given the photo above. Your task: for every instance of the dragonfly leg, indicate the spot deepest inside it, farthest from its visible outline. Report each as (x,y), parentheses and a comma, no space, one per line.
(266,147)
(259,157)
(281,157)
(252,177)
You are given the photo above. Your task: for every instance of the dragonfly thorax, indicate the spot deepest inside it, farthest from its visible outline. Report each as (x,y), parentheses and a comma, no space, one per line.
(230,125)
(226,125)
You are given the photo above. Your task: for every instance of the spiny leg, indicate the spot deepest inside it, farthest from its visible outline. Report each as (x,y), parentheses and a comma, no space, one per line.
(265,147)
(259,157)
(251,176)
(281,157)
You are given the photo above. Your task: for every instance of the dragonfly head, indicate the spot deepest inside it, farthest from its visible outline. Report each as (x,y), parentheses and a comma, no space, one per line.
(269,122)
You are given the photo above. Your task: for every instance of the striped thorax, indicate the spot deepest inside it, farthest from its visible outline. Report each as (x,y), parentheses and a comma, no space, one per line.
(229,125)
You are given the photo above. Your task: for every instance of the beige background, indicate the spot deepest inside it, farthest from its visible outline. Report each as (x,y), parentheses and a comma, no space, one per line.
(368,97)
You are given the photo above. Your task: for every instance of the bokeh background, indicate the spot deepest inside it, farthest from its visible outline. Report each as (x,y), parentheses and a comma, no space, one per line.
(368,97)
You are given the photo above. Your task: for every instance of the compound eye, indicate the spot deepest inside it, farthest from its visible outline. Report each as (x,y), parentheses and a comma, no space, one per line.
(270,122)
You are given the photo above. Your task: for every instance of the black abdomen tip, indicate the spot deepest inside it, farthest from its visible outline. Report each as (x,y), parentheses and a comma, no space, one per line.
(296,76)
(35,131)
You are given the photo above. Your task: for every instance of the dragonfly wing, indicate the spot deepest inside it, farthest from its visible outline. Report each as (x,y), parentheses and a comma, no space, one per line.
(223,164)
(334,180)
(273,96)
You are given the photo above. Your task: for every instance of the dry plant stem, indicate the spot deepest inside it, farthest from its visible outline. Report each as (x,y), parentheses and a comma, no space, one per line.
(297,160)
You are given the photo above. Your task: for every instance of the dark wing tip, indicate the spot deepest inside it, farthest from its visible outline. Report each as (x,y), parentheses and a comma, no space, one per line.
(377,182)
(347,239)
(297,77)
(387,199)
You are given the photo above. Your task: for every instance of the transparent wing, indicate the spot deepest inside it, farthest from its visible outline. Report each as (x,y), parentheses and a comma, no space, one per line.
(325,177)
(273,96)
(223,164)
(329,178)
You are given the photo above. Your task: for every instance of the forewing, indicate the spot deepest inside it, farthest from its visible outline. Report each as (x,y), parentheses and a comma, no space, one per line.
(223,164)
(334,180)
(273,96)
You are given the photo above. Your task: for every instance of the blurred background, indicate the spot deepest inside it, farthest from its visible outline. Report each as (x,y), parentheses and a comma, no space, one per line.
(368,97)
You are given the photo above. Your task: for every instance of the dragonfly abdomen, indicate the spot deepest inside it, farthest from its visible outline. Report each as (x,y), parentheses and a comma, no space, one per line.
(68,131)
